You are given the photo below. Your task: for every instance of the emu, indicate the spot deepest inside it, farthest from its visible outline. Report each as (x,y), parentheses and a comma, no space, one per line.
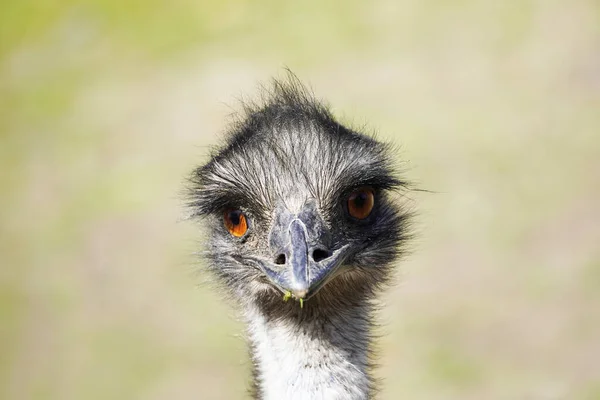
(303,233)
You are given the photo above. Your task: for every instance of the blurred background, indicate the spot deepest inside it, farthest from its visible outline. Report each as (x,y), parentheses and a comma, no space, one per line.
(106,105)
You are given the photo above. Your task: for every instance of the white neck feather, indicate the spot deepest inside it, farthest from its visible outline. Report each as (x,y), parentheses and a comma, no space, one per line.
(318,358)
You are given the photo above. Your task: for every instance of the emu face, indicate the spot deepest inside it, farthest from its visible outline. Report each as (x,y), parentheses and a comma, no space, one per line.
(299,204)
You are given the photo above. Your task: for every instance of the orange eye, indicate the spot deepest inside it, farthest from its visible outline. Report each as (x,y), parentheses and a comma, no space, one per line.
(235,222)
(360,203)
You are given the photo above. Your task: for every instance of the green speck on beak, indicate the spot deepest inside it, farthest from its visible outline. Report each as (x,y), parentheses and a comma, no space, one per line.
(287,295)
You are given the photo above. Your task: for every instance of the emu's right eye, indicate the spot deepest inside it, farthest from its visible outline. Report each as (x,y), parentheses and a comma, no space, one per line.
(235,222)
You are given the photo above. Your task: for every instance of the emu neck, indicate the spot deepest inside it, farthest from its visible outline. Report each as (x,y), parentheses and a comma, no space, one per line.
(310,354)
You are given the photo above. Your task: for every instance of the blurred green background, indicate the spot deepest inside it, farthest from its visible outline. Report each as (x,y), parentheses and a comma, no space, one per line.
(106,105)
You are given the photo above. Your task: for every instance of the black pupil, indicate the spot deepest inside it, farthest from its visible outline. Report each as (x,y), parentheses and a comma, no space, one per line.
(234,217)
(360,200)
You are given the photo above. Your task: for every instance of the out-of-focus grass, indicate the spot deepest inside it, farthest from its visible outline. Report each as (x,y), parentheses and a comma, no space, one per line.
(105,106)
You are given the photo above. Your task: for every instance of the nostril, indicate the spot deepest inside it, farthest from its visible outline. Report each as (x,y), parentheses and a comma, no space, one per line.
(320,254)
(280,259)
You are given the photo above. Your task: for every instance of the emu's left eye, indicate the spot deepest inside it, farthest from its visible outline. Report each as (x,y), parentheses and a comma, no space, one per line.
(235,222)
(361,202)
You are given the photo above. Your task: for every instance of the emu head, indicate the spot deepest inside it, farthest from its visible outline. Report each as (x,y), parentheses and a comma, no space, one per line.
(299,205)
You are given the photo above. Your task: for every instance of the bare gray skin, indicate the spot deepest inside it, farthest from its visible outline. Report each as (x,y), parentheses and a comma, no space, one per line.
(297,178)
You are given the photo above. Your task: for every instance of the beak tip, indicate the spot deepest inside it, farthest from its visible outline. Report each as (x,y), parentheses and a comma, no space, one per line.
(300,294)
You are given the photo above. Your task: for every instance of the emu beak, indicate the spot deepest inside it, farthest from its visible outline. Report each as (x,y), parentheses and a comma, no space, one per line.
(299,281)
(304,270)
